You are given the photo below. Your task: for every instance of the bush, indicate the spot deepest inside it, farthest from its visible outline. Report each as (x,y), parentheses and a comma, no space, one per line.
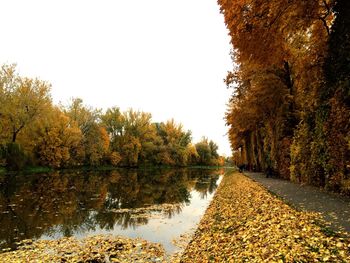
(2,155)
(15,157)
(114,158)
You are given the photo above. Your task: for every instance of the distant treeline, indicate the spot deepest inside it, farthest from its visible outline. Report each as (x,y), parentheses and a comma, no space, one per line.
(290,111)
(34,132)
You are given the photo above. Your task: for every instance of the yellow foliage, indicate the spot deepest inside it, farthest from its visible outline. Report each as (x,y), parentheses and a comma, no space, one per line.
(114,158)
(54,139)
(245,223)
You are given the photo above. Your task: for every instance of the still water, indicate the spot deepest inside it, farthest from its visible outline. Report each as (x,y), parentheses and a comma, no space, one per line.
(156,205)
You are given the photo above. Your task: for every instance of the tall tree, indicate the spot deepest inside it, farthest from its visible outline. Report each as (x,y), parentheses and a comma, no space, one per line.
(56,142)
(284,101)
(82,115)
(113,120)
(22,100)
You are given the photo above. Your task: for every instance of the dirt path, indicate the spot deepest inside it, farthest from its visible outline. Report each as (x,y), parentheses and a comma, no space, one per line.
(334,208)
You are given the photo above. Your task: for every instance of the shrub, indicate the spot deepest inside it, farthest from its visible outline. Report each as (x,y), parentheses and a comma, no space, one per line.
(15,157)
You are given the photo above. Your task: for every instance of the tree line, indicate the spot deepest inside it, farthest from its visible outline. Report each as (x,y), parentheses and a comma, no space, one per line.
(290,109)
(35,132)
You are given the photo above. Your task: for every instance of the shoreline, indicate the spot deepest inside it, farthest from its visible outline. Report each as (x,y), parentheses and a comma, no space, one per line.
(245,223)
(42,169)
(99,248)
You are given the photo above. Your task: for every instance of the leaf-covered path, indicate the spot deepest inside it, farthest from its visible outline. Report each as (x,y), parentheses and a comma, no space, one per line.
(245,223)
(334,208)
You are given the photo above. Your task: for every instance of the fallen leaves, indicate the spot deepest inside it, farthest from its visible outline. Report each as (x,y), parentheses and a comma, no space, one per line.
(100,248)
(151,211)
(245,223)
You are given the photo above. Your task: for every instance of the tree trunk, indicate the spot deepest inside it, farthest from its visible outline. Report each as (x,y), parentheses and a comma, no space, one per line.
(14,136)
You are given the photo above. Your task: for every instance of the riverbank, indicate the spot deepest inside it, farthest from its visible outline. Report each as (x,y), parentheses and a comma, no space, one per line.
(43,169)
(93,249)
(160,206)
(245,223)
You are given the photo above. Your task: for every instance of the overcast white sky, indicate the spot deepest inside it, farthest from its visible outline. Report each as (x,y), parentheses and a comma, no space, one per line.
(166,57)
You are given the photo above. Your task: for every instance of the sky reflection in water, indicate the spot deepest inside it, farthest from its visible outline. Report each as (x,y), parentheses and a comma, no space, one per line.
(54,205)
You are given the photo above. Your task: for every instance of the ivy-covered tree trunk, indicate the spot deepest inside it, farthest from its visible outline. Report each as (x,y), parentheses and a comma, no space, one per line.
(337,66)
(336,98)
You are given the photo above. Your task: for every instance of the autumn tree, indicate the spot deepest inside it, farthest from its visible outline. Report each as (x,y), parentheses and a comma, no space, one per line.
(175,142)
(335,98)
(35,132)
(290,110)
(95,138)
(207,152)
(22,100)
(193,155)
(83,115)
(96,143)
(56,142)
(113,120)
(138,135)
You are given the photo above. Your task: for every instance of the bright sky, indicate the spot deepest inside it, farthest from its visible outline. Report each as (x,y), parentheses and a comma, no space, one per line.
(166,57)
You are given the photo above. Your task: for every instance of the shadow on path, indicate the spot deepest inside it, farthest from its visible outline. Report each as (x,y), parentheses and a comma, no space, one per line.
(334,207)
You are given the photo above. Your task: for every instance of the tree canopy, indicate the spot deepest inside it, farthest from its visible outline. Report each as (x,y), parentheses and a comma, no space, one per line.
(289,111)
(35,132)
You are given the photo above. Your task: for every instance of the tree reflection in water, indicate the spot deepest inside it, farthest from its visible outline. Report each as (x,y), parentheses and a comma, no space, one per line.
(75,202)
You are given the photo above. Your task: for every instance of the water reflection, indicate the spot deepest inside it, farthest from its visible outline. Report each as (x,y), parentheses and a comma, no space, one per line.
(73,203)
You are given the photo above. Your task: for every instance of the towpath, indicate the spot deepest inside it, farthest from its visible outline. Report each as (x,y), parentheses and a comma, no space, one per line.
(334,207)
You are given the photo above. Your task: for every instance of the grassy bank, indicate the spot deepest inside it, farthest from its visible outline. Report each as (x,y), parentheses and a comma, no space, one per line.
(43,169)
(28,170)
(245,223)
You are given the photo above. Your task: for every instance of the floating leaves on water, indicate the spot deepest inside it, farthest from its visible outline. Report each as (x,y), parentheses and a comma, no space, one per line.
(151,211)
